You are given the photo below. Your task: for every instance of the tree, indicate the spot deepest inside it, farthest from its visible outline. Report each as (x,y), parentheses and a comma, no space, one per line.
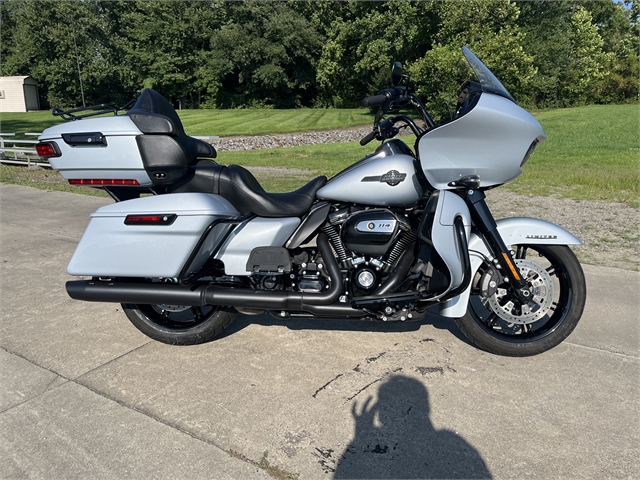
(291,53)
(363,40)
(546,25)
(263,56)
(70,37)
(617,26)
(162,44)
(588,63)
(490,30)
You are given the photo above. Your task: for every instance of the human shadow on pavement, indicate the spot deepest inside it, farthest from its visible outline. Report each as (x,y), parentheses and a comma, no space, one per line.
(394,438)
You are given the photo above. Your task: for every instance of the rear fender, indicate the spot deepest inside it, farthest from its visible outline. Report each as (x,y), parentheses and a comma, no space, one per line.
(514,231)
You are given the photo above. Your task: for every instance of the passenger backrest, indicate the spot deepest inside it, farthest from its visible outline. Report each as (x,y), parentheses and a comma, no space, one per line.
(166,150)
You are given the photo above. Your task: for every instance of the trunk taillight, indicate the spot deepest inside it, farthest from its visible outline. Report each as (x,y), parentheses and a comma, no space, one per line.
(47,149)
(103,181)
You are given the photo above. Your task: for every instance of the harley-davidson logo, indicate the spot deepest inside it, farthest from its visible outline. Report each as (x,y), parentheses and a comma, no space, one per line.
(392,177)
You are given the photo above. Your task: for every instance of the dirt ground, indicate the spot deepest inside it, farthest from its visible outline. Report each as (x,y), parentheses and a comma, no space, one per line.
(610,232)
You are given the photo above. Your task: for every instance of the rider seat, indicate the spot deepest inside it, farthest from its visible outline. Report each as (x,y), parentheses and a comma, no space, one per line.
(245,193)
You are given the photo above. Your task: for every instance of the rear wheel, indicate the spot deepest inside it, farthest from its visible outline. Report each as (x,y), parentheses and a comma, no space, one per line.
(179,324)
(498,323)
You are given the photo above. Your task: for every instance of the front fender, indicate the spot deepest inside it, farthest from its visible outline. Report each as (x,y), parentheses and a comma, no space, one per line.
(514,231)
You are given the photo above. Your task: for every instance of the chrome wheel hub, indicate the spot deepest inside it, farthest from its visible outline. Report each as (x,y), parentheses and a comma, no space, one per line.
(172,308)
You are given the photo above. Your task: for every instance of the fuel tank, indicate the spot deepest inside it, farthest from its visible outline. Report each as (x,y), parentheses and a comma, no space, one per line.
(386,178)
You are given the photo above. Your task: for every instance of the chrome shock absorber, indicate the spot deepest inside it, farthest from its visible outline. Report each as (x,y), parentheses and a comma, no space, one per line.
(405,239)
(330,231)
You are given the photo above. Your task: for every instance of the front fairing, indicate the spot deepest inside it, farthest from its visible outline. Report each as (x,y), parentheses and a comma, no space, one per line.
(491,141)
(491,138)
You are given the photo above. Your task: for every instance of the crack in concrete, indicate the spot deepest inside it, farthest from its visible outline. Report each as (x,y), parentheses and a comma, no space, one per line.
(617,354)
(327,384)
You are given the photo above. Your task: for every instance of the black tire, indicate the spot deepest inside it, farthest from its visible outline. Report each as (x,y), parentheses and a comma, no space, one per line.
(177,325)
(493,333)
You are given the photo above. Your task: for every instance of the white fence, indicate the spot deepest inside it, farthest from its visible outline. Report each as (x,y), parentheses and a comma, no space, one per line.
(21,152)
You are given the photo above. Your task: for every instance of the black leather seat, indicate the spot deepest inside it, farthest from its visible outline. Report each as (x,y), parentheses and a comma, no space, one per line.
(245,193)
(154,115)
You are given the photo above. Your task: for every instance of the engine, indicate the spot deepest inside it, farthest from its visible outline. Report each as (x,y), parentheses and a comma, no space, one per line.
(368,243)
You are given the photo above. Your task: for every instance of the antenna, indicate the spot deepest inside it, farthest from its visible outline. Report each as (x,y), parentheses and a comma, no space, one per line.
(73,29)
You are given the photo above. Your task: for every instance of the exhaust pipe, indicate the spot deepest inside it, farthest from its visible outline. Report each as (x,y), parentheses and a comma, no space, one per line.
(171,294)
(140,293)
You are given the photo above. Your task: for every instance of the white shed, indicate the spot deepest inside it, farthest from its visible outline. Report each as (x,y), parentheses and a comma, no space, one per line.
(18,94)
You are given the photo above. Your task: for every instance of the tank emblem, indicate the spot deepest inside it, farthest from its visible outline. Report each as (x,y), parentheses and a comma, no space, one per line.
(392,177)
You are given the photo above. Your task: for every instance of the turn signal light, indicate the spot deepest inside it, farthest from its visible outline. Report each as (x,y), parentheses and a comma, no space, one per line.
(103,181)
(46,150)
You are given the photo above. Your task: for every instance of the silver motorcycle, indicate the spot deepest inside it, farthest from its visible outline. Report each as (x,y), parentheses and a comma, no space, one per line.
(189,242)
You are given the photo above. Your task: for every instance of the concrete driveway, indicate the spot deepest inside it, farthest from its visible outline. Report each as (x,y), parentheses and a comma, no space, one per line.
(84,394)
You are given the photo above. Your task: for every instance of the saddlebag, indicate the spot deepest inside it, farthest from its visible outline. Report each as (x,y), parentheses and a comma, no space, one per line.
(153,236)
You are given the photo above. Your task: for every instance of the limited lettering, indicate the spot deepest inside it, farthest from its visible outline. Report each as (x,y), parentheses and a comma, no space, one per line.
(542,237)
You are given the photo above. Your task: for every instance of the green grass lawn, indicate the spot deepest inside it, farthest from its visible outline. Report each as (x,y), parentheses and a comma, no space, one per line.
(225,123)
(591,152)
(221,123)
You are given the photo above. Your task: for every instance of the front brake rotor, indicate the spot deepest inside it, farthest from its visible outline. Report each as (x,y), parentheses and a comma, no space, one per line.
(539,283)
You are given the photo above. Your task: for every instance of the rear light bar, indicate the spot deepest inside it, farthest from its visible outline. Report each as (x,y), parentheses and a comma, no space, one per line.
(47,149)
(103,181)
(156,219)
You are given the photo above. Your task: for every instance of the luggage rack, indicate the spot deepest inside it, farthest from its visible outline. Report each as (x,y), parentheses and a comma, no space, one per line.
(92,111)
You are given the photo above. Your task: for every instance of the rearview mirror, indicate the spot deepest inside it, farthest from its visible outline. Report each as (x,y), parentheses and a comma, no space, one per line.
(396,73)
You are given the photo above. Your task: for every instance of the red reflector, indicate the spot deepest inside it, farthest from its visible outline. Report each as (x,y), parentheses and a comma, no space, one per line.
(144,218)
(46,150)
(159,219)
(103,181)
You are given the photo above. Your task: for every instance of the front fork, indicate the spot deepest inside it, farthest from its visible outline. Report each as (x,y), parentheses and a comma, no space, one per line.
(486,225)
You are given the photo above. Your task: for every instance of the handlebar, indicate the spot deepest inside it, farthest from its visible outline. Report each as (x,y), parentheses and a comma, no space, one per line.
(368,138)
(373,101)
(385,129)
(392,98)
(381,98)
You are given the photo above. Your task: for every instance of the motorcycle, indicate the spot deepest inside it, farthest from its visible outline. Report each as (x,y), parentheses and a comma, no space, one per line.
(189,243)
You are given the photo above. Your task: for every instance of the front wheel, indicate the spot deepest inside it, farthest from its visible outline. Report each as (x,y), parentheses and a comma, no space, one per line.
(498,323)
(179,324)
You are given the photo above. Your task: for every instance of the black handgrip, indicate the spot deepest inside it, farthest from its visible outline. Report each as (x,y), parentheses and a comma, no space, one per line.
(373,101)
(368,138)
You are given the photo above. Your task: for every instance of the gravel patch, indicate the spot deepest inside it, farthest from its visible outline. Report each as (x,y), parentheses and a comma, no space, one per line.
(258,142)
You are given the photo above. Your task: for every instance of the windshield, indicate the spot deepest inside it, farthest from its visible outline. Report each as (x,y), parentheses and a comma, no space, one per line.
(487,79)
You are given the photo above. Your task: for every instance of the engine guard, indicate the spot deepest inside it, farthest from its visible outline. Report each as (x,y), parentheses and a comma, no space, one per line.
(514,231)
